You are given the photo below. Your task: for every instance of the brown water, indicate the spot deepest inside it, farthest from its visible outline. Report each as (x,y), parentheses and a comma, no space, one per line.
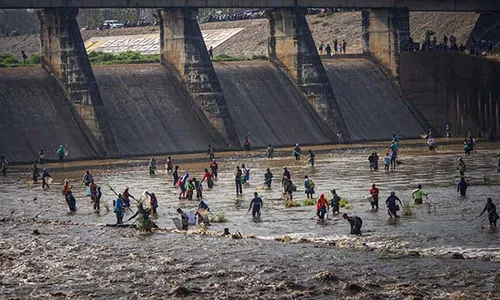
(77,257)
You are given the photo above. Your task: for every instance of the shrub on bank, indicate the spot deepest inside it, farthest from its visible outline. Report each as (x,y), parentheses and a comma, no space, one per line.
(8,60)
(34,59)
(103,58)
(128,57)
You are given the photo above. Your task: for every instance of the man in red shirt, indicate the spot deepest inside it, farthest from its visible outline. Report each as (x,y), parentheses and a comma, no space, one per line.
(322,207)
(374,193)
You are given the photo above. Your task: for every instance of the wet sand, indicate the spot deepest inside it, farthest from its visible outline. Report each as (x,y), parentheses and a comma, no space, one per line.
(286,256)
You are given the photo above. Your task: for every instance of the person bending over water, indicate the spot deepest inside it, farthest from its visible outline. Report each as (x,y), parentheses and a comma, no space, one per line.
(355,223)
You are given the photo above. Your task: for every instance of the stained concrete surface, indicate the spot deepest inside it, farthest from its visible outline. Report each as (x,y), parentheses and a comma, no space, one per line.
(266,106)
(453,88)
(35,114)
(370,102)
(150,110)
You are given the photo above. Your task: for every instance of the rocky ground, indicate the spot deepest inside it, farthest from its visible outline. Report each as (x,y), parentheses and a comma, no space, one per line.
(253,39)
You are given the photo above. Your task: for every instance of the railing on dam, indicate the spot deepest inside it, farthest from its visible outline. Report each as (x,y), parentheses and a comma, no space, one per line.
(415,5)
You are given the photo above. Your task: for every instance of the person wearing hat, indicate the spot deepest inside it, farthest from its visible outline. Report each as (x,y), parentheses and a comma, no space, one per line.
(355,223)
(392,207)
(374,193)
(256,205)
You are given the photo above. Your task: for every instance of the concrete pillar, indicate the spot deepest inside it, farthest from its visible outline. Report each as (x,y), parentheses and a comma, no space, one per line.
(63,54)
(292,49)
(386,32)
(183,48)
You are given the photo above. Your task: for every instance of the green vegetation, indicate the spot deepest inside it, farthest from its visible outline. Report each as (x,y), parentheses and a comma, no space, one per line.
(8,60)
(219,218)
(292,203)
(345,204)
(429,33)
(129,57)
(407,210)
(259,57)
(309,202)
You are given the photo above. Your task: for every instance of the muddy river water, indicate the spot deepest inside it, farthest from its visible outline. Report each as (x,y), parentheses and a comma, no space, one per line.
(436,253)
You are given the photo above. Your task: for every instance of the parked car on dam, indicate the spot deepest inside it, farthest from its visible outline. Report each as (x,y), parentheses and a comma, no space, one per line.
(112,24)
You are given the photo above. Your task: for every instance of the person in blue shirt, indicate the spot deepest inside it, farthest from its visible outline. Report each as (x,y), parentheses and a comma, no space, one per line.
(392,207)
(118,205)
(203,205)
(395,137)
(202,212)
(45,175)
(394,154)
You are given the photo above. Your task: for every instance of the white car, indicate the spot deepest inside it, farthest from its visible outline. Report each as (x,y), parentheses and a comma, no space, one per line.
(112,24)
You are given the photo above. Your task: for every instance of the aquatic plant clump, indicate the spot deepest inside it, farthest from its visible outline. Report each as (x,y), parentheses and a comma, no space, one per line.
(292,204)
(407,209)
(219,218)
(345,204)
(309,202)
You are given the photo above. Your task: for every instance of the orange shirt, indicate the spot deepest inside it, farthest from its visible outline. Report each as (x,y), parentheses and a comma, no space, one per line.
(66,189)
(93,187)
(322,202)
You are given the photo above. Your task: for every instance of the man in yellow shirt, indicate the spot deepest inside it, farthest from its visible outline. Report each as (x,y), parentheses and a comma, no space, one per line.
(418,194)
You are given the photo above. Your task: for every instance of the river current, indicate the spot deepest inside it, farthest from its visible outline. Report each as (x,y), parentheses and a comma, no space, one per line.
(435,253)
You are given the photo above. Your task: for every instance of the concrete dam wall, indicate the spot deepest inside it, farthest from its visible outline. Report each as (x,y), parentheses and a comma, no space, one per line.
(454,88)
(371,103)
(35,114)
(150,111)
(266,106)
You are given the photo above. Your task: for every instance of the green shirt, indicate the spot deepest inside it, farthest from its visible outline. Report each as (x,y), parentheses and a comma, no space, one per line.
(418,194)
